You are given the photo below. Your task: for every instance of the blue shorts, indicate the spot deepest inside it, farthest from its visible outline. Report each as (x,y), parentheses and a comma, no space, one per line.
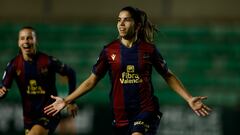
(49,123)
(146,123)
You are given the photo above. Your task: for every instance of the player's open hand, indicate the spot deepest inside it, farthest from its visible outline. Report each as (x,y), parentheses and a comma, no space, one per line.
(55,107)
(3,91)
(198,107)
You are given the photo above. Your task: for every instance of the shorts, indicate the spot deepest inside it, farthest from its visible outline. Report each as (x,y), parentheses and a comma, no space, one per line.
(49,123)
(146,123)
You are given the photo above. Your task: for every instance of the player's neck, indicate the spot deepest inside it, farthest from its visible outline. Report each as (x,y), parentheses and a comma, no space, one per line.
(28,57)
(129,42)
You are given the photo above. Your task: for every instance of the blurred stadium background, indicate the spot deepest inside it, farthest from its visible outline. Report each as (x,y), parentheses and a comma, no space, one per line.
(200,40)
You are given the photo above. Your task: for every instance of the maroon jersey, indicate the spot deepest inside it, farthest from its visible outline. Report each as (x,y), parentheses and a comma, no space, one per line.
(36,81)
(130,72)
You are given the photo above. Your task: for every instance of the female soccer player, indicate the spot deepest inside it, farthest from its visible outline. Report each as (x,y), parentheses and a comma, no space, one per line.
(129,61)
(35,75)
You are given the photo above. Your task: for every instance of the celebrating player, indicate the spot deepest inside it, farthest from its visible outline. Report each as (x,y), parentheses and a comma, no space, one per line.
(129,61)
(35,75)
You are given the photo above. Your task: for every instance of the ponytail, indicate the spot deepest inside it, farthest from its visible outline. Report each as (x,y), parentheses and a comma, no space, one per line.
(147,29)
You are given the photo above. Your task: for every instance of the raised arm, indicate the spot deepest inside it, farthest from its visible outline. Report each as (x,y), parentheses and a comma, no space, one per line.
(194,102)
(60,103)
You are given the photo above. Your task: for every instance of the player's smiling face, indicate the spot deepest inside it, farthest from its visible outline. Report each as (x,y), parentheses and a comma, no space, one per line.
(27,42)
(126,25)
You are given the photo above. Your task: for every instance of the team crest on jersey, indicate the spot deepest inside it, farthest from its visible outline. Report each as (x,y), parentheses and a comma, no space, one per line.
(54,59)
(113,56)
(130,77)
(44,71)
(33,88)
(18,72)
(146,56)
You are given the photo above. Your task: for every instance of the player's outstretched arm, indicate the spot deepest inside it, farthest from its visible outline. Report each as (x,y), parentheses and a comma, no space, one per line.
(194,102)
(60,103)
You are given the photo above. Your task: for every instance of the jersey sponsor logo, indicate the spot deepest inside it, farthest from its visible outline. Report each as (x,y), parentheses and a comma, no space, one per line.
(130,77)
(34,89)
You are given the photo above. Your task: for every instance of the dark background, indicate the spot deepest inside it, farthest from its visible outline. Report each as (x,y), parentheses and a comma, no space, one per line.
(200,41)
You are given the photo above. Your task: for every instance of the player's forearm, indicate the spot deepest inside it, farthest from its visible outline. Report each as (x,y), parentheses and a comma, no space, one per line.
(71,80)
(84,88)
(80,91)
(177,86)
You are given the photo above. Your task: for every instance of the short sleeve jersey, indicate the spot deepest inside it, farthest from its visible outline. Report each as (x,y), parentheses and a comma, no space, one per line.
(36,81)
(130,72)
